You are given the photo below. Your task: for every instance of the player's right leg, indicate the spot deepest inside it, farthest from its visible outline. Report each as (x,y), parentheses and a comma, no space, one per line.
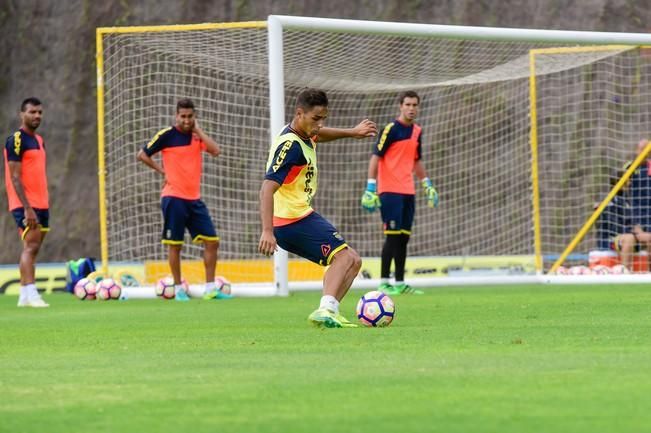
(625,246)
(392,211)
(315,239)
(203,231)
(32,241)
(175,215)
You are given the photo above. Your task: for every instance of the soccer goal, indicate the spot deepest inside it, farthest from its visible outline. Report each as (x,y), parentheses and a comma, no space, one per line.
(522,132)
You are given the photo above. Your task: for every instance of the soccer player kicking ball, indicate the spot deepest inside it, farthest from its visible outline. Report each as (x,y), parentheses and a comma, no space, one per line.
(395,160)
(288,219)
(181,147)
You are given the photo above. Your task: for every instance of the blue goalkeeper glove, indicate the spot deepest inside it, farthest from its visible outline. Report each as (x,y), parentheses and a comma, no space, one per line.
(431,193)
(370,200)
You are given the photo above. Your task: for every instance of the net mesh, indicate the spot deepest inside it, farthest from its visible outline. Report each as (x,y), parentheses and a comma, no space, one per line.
(475,114)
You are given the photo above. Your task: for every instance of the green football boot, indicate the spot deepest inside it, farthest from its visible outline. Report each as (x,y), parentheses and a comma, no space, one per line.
(217,294)
(388,289)
(322,317)
(406,289)
(345,323)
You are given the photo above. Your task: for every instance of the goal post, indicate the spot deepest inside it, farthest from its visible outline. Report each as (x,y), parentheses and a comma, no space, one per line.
(506,116)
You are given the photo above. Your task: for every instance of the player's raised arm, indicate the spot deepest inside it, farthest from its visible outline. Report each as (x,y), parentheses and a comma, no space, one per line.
(267,244)
(365,128)
(211,145)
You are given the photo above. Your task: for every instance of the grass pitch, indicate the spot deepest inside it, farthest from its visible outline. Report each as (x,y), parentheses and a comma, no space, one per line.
(490,359)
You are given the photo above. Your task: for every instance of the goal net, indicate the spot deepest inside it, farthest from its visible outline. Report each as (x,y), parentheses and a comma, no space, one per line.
(518,176)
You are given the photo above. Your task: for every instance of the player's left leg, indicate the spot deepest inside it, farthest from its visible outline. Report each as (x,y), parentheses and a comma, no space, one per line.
(32,241)
(408,210)
(315,239)
(203,230)
(392,216)
(346,263)
(175,214)
(29,296)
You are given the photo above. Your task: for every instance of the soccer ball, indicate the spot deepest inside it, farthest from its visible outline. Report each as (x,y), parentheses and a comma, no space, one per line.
(165,287)
(562,270)
(223,285)
(108,289)
(375,309)
(619,270)
(85,289)
(580,270)
(601,270)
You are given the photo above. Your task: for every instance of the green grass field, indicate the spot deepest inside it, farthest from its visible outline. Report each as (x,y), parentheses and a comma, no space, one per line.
(490,359)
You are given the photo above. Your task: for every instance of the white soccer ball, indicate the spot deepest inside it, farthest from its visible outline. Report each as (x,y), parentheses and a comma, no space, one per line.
(580,270)
(85,289)
(108,289)
(619,270)
(165,288)
(601,270)
(562,270)
(223,285)
(375,309)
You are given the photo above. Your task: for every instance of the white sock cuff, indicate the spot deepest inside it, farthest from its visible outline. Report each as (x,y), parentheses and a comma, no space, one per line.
(329,302)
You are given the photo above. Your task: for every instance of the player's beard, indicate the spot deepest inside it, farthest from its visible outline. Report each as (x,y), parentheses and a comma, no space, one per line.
(187,129)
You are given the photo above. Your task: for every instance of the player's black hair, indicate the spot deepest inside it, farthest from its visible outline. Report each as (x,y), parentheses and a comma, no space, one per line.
(408,94)
(184,103)
(309,98)
(30,101)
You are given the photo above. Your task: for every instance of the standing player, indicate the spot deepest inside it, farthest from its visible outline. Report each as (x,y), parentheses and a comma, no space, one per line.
(285,203)
(181,146)
(395,160)
(26,183)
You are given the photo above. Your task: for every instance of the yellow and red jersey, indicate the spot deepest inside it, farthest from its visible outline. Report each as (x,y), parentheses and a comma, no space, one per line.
(182,162)
(292,164)
(29,150)
(399,147)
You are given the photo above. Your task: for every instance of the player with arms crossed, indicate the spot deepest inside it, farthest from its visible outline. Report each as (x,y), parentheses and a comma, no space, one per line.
(26,183)
(181,147)
(288,218)
(396,158)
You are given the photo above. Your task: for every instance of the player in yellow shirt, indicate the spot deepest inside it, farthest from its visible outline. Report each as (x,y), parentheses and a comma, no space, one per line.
(288,218)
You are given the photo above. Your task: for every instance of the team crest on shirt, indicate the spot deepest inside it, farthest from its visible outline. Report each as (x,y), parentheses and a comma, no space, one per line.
(392,225)
(325,249)
(168,233)
(338,236)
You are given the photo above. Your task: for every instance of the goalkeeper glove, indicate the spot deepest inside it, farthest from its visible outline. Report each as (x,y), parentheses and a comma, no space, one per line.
(370,200)
(431,193)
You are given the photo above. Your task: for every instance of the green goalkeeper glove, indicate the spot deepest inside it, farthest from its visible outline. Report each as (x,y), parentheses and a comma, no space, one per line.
(370,200)
(431,193)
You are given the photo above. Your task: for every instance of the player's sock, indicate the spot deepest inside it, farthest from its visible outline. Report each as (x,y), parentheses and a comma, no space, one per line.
(31,291)
(22,299)
(401,257)
(29,297)
(210,287)
(330,303)
(385,281)
(389,250)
